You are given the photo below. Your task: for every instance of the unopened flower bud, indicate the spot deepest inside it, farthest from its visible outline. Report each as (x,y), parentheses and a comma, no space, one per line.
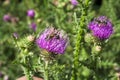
(74,2)
(30,38)
(39,20)
(15,35)
(7,18)
(1,74)
(88,38)
(33,26)
(31,13)
(31,53)
(116,67)
(98,48)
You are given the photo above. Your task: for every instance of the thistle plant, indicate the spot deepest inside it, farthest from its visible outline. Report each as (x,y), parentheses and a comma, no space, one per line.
(25,46)
(101,29)
(93,51)
(24,58)
(52,42)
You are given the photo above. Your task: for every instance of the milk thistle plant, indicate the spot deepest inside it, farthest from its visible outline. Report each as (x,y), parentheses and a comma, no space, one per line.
(41,51)
(25,46)
(101,29)
(52,42)
(24,58)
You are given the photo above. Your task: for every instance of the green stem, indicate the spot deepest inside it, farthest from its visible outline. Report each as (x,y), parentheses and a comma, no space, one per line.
(79,38)
(57,74)
(46,70)
(27,67)
(76,53)
(28,73)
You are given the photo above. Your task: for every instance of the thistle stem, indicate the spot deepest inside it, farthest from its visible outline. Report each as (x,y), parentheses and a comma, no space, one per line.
(46,70)
(28,73)
(79,38)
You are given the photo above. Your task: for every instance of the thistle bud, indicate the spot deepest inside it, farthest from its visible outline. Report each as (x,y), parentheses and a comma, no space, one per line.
(74,2)
(15,35)
(31,13)
(88,38)
(33,26)
(7,18)
(30,38)
(96,49)
(1,74)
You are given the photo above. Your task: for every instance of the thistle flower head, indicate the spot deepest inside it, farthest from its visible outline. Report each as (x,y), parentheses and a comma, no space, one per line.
(33,26)
(30,38)
(31,13)
(1,74)
(7,18)
(15,35)
(53,40)
(101,27)
(74,2)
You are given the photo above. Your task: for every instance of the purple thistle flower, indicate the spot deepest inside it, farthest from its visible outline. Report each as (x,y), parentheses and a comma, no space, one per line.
(31,13)
(53,40)
(101,27)
(74,2)
(15,35)
(1,74)
(33,26)
(7,18)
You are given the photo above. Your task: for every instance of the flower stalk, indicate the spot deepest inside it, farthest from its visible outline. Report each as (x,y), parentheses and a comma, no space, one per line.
(28,73)
(25,55)
(46,70)
(27,68)
(79,38)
